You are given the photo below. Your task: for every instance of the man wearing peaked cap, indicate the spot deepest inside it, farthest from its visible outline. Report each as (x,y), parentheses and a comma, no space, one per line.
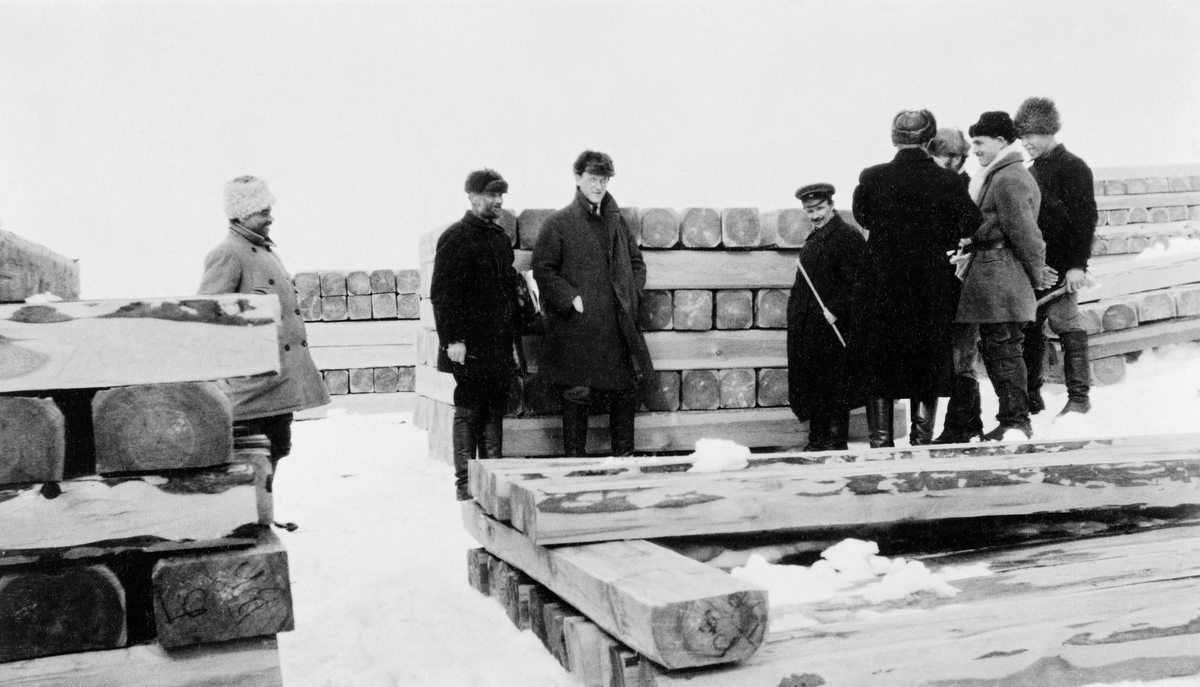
(1067,220)
(823,369)
(916,212)
(474,293)
(246,262)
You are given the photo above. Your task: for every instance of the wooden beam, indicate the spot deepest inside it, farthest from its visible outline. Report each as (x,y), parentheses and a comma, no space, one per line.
(656,311)
(675,611)
(770,308)
(362,380)
(156,427)
(693,310)
(334,309)
(789,227)
(382,333)
(773,390)
(740,228)
(698,269)
(358,307)
(32,440)
(358,283)
(379,355)
(738,388)
(336,381)
(1147,200)
(245,663)
(82,344)
(1144,337)
(333,283)
(701,228)
(27,269)
(700,390)
(408,281)
(717,349)
(383,306)
(660,228)
(1162,475)
(383,281)
(734,309)
(67,611)
(1135,276)
(664,395)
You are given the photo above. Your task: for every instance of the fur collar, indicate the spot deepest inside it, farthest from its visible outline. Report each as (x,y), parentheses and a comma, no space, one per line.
(1008,155)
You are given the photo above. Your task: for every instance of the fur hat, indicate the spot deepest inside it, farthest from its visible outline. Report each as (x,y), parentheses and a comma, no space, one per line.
(245,196)
(1037,116)
(994,124)
(949,141)
(913,127)
(595,162)
(486,181)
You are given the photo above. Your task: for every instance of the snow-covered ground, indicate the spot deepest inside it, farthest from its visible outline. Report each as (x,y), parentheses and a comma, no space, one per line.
(378,565)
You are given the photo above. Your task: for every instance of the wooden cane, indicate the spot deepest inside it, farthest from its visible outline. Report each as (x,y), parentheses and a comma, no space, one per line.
(824,310)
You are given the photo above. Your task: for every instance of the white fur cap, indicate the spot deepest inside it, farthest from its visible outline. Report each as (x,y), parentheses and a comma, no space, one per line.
(245,196)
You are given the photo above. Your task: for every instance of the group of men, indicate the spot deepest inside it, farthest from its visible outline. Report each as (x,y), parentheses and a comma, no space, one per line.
(952,265)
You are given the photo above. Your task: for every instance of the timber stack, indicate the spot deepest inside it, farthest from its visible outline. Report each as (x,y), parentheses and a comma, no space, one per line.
(715,315)
(136,546)
(362,330)
(1089,553)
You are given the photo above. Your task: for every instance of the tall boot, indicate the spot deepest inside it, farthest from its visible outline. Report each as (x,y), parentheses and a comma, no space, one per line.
(819,421)
(465,435)
(620,422)
(839,429)
(1075,372)
(924,413)
(963,413)
(1008,377)
(1033,350)
(879,422)
(493,438)
(574,429)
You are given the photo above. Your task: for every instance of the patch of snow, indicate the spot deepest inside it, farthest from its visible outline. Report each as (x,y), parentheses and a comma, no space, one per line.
(43,298)
(719,455)
(1176,245)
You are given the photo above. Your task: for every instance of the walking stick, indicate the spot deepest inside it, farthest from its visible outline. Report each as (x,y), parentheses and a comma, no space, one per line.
(824,310)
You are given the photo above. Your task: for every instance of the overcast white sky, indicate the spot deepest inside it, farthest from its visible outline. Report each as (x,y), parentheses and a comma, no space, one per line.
(120,123)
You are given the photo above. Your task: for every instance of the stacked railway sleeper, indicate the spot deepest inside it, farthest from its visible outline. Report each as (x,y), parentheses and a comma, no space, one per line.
(1145,206)
(136,546)
(1085,553)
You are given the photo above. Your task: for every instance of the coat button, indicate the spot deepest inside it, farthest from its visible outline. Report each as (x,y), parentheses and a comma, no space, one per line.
(297,311)
(253,249)
(271,282)
(287,347)
(304,343)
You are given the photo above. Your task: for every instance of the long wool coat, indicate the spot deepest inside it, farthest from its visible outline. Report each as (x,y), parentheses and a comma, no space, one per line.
(1067,217)
(916,212)
(581,254)
(999,283)
(474,298)
(821,372)
(247,263)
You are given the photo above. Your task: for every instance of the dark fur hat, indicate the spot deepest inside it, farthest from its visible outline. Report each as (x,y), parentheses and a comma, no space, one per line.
(913,127)
(486,181)
(994,124)
(1037,116)
(597,163)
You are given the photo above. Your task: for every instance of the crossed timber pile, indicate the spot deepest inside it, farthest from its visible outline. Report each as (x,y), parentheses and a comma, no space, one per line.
(591,555)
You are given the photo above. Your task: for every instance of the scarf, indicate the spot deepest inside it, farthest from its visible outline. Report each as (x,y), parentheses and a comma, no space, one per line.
(981,176)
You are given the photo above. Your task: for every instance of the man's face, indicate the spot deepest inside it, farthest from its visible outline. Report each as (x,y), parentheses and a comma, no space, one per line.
(593,186)
(950,161)
(1037,144)
(259,222)
(819,211)
(987,148)
(486,205)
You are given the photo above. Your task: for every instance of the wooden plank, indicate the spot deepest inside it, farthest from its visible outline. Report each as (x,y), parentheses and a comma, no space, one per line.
(245,663)
(435,385)
(32,440)
(83,344)
(834,495)
(196,504)
(1147,200)
(28,269)
(660,227)
(43,613)
(717,349)
(697,269)
(734,309)
(670,608)
(1106,371)
(582,640)
(700,228)
(740,228)
(693,310)
(381,333)
(478,563)
(379,355)
(1144,171)
(215,597)
(156,427)
(1136,276)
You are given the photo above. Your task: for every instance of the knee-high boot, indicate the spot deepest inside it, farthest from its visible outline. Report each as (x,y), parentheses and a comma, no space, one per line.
(574,429)
(493,438)
(1008,379)
(1033,350)
(818,430)
(839,429)
(964,419)
(620,422)
(465,435)
(1075,372)
(924,413)
(879,422)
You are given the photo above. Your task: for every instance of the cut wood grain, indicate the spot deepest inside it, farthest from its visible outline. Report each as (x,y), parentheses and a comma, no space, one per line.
(156,427)
(773,387)
(383,281)
(383,306)
(740,228)
(214,597)
(478,563)
(311,308)
(776,499)
(358,307)
(737,388)
(660,228)
(358,283)
(701,228)
(308,284)
(362,380)
(408,306)
(789,227)
(675,611)
(32,440)
(334,309)
(385,380)
(1154,306)
(734,308)
(664,394)
(1107,371)
(656,311)
(28,269)
(408,281)
(87,344)
(770,308)
(1187,300)
(700,390)
(333,283)
(693,310)
(336,381)
(1118,316)
(43,613)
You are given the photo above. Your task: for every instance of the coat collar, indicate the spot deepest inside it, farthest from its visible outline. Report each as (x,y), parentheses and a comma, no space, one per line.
(584,206)
(911,155)
(470,219)
(833,223)
(250,236)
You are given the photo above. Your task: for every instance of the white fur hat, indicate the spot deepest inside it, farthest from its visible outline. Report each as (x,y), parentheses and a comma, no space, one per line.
(245,196)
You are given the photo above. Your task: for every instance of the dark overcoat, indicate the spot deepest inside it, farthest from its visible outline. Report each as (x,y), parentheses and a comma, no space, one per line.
(474,298)
(590,255)
(1067,217)
(822,373)
(247,263)
(999,283)
(916,212)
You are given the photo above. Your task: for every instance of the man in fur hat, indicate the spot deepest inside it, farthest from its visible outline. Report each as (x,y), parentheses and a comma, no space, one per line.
(246,262)
(474,294)
(590,274)
(1068,223)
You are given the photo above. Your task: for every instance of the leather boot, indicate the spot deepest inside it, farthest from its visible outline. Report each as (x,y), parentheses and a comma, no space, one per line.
(924,413)
(839,429)
(620,422)
(574,429)
(963,413)
(465,435)
(879,422)
(1075,372)
(493,438)
(819,421)
(1033,350)
(1008,377)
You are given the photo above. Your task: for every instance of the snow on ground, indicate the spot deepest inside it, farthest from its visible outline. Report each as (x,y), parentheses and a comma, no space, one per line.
(378,565)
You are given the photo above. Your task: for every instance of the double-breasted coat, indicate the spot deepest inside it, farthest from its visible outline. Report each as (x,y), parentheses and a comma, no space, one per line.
(1067,215)
(247,263)
(916,212)
(822,373)
(474,295)
(590,254)
(1010,255)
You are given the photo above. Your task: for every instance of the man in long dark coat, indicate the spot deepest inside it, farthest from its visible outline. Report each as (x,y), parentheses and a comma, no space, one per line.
(590,275)
(1068,222)
(474,294)
(823,379)
(916,212)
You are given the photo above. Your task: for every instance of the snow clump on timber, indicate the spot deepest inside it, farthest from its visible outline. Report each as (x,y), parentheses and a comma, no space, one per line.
(719,455)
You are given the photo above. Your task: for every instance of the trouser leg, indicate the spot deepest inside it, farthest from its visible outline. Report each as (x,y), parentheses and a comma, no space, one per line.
(621,412)
(474,400)
(839,428)
(1003,358)
(819,420)
(879,422)
(1033,351)
(924,413)
(575,404)
(1063,315)
(492,423)
(465,435)
(278,430)
(963,414)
